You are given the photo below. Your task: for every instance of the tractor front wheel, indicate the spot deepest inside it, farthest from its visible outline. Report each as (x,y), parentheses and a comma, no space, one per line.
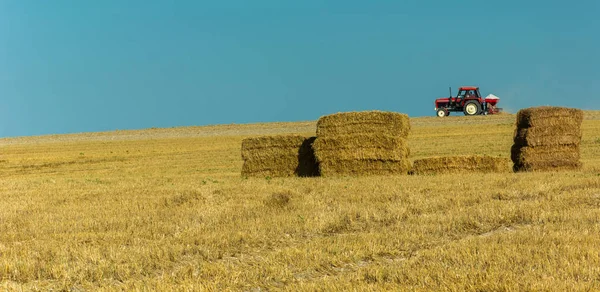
(472,108)
(442,112)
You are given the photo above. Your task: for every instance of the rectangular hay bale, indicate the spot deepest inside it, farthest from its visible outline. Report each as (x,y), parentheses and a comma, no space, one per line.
(362,153)
(547,136)
(544,154)
(388,123)
(275,141)
(545,158)
(461,164)
(279,156)
(549,116)
(552,165)
(331,168)
(361,146)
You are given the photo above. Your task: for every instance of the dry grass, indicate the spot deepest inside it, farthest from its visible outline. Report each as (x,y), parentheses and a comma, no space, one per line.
(167,210)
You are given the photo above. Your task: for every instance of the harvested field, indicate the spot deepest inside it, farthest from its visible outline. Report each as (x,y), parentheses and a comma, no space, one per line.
(167,210)
(374,122)
(461,164)
(279,156)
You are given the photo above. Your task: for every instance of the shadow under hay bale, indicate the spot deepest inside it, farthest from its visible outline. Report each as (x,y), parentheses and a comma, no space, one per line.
(278,156)
(547,138)
(461,164)
(307,162)
(374,122)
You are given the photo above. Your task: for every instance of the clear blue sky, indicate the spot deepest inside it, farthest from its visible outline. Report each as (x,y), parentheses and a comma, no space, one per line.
(76,66)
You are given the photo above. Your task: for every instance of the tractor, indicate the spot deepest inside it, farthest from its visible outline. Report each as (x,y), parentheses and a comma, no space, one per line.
(469,101)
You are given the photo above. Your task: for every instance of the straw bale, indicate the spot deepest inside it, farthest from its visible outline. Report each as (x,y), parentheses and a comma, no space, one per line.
(461,164)
(548,136)
(361,146)
(549,116)
(269,153)
(275,167)
(355,167)
(275,141)
(545,154)
(362,153)
(360,140)
(388,123)
(280,156)
(551,165)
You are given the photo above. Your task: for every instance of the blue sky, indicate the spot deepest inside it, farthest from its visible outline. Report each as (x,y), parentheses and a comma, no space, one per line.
(70,66)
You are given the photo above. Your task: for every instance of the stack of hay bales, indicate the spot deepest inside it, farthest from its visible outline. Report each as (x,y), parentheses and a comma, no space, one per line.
(547,138)
(278,156)
(362,143)
(461,164)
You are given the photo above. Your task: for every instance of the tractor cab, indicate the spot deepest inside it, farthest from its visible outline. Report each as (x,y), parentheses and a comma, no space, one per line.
(469,93)
(465,94)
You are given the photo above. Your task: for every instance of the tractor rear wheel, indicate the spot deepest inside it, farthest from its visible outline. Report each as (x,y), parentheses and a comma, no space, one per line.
(442,112)
(472,108)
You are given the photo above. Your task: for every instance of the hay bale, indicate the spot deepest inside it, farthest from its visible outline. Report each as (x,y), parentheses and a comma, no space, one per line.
(362,143)
(277,142)
(549,116)
(545,158)
(461,164)
(552,165)
(279,156)
(376,122)
(547,136)
(543,154)
(354,167)
(361,147)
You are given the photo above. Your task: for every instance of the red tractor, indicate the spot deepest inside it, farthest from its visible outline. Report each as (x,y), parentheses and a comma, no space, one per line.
(468,101)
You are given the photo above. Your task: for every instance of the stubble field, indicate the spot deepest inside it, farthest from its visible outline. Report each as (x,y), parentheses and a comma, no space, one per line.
(167,210)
